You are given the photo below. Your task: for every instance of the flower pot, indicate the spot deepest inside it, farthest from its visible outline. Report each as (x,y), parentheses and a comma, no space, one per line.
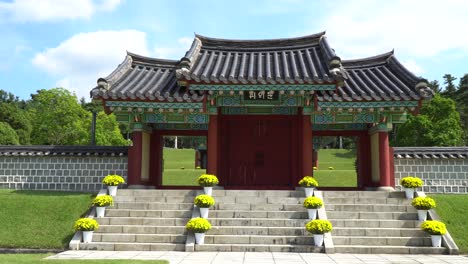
(436,240)
(318,240)
(312,213)
(409,193)
(100,210)
(200,238)
(87,236)
(204,212)
(112,190)
(422,215)
(308,191)
(208,190)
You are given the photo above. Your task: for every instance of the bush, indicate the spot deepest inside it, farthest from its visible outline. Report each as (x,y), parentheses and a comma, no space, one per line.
(434,227)
(86,224)
(207,180)
(313,202)
(411,182)
(113,180)
(204,201)
(319,226)
(198,225)
(308,181)
(103,200)
(423,203)
(8,135)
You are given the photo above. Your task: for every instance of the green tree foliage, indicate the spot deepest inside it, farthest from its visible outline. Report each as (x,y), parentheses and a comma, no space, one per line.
(58,118)
(462,104)
(437,125)
(450,88)
(108,132)
(18,119)
(8,135)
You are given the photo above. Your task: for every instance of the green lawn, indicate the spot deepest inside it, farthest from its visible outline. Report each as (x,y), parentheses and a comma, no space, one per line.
(453,209)
(39,219)
(179,167)
(39,259)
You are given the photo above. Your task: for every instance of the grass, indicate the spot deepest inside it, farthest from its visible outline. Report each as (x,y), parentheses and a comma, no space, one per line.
(39,259)
(39,219)
(179,168)
(452,208)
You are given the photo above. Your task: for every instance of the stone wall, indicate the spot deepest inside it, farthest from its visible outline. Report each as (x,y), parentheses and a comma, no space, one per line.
(60,168)
(443,170)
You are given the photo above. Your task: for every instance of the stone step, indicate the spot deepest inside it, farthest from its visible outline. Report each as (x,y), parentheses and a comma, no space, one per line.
(111,246)
(362,194)
(138,229)
(157,192)
(370,208)
(139,238)
(267,222)
(376,201)
(258,207)
(388,250)
(256,239)
(259,248)
(155,199)
(143,221)
(148,213)
(372,215)
(382,241)
(378,232)
(153,206)
(254,193)
(366,223)
(257,214)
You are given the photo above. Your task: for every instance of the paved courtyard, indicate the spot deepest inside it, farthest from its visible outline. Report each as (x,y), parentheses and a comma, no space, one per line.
(263,257)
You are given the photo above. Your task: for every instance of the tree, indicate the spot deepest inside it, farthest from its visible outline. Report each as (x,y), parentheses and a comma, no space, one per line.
(58,118)
(108,132)
(8,135)
(435,86)
(450,88)
(437,125)
(18,119)
(462,104)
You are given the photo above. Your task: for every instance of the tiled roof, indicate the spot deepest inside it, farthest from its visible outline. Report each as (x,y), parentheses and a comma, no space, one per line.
(430,152)
(303,60)
(63,151)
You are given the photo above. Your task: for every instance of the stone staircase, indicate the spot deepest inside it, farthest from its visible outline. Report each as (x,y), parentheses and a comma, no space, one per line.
(376,223)
(258,221)
(145,220)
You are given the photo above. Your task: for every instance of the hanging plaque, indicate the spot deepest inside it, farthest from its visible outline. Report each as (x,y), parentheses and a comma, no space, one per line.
(261,96)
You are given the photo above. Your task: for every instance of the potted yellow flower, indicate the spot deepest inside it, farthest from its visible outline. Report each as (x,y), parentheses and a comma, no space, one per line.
(312,204)
(207,181)
(198,226)
(87,227)
(112,181)
(410,183)
(309,183)
(101,202)
(423,204)
(318,228)
(204,202)
(436,229)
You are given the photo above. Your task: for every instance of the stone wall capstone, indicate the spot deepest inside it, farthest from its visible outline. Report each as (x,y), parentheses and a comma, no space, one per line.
(60,168)
(443,169)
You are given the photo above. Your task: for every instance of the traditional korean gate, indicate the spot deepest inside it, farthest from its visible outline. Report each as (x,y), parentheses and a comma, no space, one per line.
(258,151)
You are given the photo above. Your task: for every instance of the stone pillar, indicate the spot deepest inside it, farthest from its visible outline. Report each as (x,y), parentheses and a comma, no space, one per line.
(212,148)
(307,146)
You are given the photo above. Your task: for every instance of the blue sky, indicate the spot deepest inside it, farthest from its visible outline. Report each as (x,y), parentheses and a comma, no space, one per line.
(71,43)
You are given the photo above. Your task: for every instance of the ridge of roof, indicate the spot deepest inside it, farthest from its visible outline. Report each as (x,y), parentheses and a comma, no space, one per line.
(136,58)
(368,61)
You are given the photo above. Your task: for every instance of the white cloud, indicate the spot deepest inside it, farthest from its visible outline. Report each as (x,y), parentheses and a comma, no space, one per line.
(176,51)
(413,67)
(47,10)
(417,28)
(80,60)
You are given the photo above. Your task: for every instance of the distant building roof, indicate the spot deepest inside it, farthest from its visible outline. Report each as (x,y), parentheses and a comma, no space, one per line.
(302,60)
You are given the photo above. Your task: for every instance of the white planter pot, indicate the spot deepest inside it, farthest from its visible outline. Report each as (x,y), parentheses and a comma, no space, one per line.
(208,190)
(309,191)
(100,211)
(87,236)
(200,238)
(409,193)
(436,240)
(312,213)
(318,240)
(112,190)
(204,212)
(422,215)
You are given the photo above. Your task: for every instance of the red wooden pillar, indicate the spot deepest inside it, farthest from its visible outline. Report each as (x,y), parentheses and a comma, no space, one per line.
(156,158)
(212,150)
(307,146)
(134,159)
(384,160)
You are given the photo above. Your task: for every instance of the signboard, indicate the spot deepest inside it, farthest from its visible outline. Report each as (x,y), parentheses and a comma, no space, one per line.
(261,96)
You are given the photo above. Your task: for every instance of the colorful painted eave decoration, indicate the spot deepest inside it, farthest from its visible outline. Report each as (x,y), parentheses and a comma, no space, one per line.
(262,87)
(153,105)
(377,105)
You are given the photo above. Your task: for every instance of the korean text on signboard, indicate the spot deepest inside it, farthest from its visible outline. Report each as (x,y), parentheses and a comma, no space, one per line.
(261,95)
